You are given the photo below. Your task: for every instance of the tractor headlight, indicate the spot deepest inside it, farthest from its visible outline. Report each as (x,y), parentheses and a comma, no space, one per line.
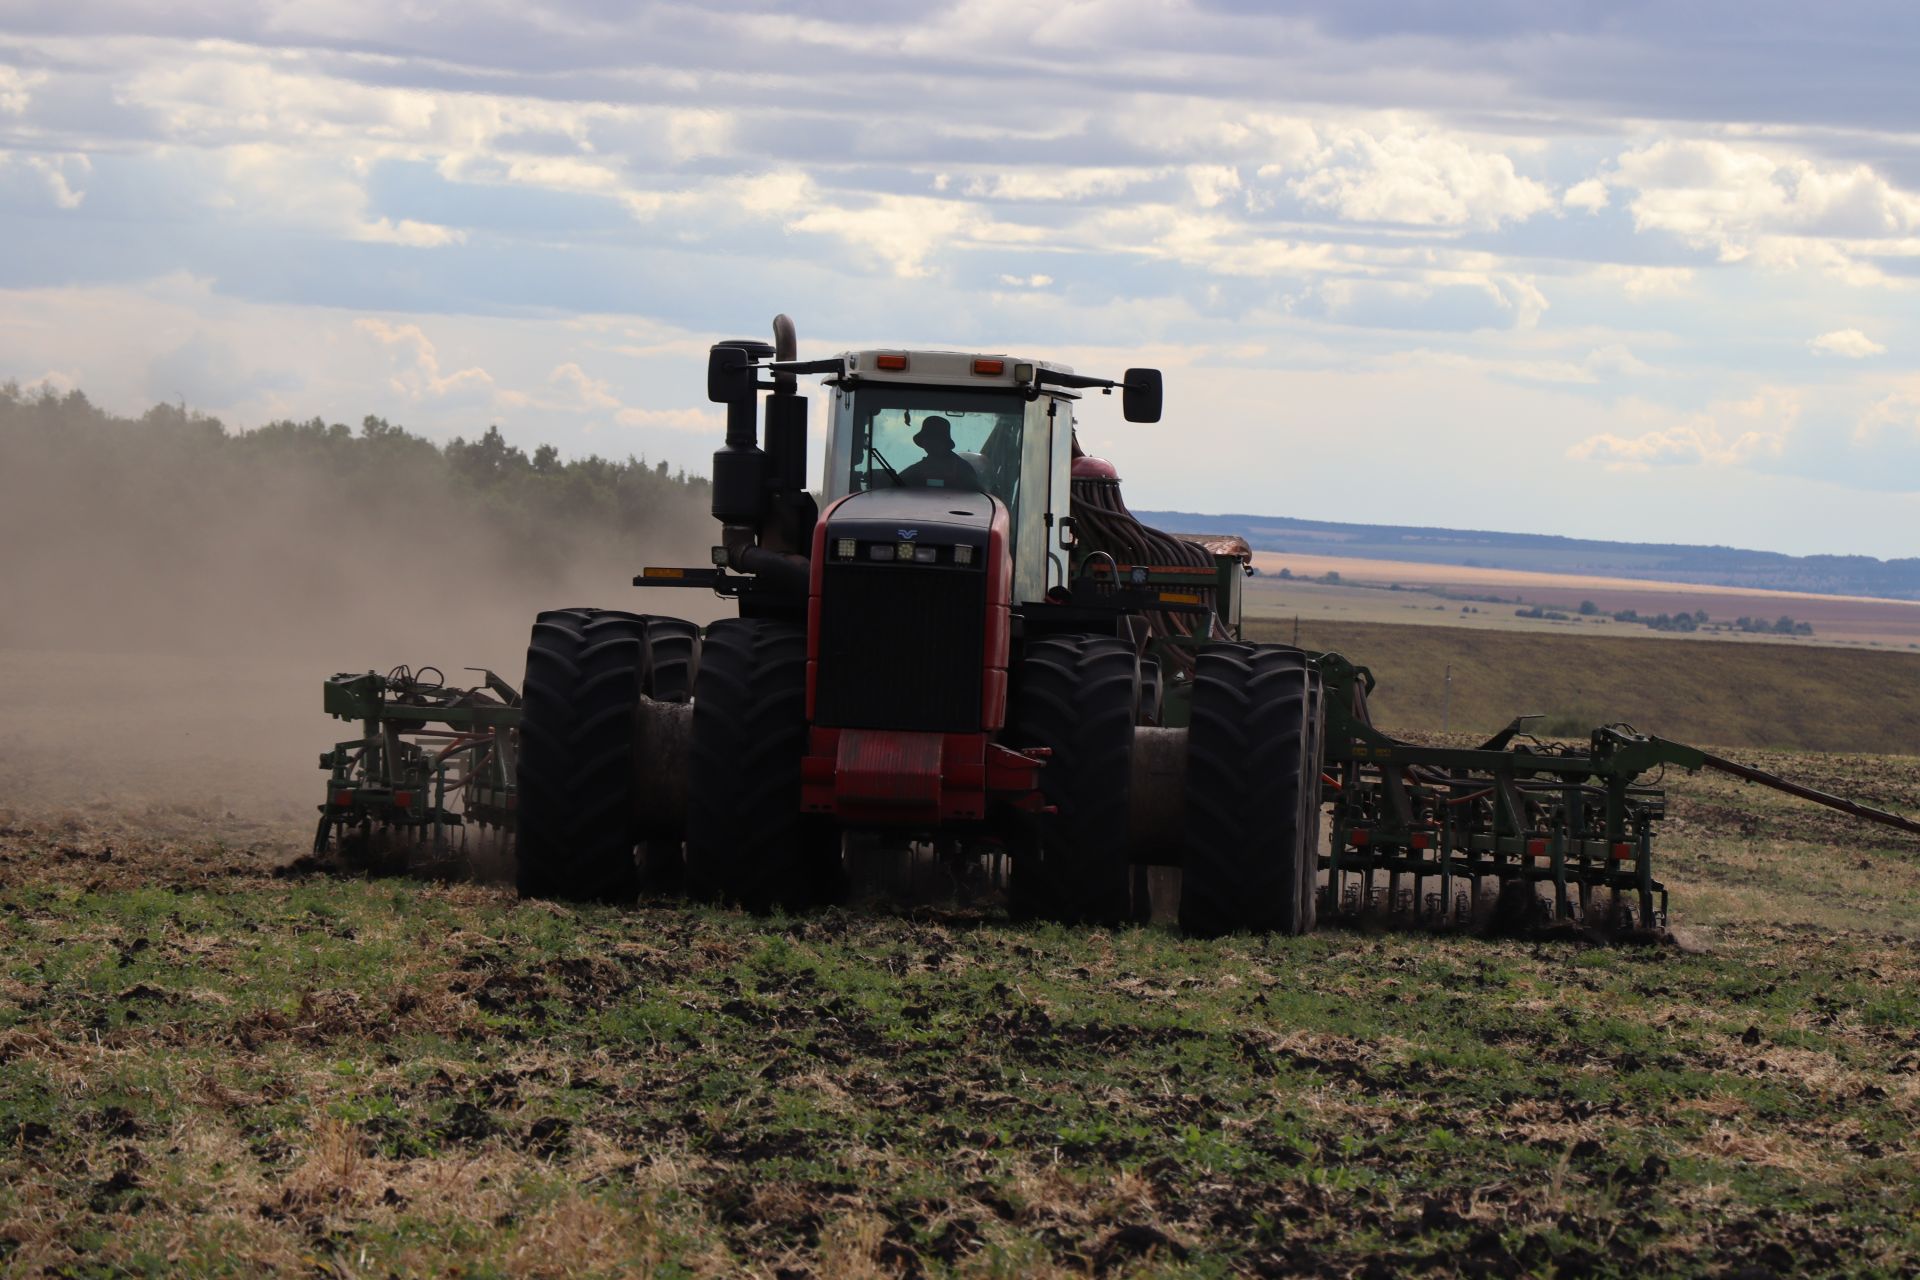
(926,555)
(845,548)
(962,554)
(904,551)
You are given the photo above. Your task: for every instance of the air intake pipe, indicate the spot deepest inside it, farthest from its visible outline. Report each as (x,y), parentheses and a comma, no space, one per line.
(739,467)
(756,492)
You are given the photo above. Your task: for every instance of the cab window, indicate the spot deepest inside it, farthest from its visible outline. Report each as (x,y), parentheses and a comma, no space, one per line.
(921,438)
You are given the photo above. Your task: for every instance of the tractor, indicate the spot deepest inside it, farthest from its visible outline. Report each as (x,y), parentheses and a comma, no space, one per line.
(965,643)
(975,653)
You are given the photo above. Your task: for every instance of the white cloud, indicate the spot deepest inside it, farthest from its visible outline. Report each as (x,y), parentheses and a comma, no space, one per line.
(16,88)
(59,381)
(1212,183)
(1779,210)
(1897,411)
(406,231)
(1727,434)
(54,169)
(1516,293)
(268,184)
(903,232)
(416,369)
(1211,240)
(1035,281)
(774,194)
(1421,177)
(1183,127)
(704,422)
(1850,343)
(1589,196)
(692,135)
(1049,183)
(583,392)
(591,392)
(1645,282)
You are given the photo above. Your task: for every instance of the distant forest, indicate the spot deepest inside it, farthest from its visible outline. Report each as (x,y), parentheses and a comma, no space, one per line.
(1546,553)
(352,544)
(538,502)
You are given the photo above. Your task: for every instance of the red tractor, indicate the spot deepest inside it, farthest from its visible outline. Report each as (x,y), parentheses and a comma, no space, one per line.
(973,647)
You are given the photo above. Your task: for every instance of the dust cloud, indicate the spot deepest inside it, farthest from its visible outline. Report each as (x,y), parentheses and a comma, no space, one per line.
(168,613)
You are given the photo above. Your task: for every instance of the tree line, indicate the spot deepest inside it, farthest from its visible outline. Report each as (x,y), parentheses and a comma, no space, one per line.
(540,504)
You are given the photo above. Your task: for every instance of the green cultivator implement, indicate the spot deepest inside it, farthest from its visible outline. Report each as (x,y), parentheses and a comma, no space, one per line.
(1419,831)
(975,654)
(1565,830)
(429,760)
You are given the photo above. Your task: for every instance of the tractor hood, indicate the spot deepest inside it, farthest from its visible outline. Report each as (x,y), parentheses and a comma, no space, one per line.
(925,518)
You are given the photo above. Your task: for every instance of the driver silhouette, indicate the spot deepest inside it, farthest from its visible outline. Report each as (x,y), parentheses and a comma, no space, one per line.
(942,467)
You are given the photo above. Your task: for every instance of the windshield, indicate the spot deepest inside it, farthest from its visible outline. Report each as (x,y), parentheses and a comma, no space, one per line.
(935,439)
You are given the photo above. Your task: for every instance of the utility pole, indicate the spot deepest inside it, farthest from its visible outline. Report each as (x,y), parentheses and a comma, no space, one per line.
(1446,701)
(1296,631)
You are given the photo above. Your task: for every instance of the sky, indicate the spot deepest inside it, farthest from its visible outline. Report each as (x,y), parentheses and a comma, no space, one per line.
(1638,271)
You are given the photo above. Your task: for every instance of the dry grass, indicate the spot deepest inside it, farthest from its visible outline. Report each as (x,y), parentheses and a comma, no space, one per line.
(1736,695)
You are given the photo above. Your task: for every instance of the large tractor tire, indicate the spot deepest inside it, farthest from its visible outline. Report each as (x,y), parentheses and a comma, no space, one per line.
(1253,793)
(746,840)
(587,672)
(1076,697)
(575,805)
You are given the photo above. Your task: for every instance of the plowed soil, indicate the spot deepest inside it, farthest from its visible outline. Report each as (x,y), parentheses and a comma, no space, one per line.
(213,1061)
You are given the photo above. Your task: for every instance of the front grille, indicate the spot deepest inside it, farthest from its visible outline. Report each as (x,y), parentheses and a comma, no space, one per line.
(901,647)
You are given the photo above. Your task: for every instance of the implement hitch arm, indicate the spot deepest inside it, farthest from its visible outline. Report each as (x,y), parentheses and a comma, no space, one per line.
(1854,808)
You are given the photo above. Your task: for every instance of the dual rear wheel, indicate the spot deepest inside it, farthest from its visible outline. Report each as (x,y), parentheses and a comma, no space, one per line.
(588,672)
(1251,854)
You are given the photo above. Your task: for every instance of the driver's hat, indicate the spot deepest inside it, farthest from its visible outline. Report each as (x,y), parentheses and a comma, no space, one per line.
(934,429)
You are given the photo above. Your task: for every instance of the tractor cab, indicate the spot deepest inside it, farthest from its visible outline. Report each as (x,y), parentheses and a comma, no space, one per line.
(952,433)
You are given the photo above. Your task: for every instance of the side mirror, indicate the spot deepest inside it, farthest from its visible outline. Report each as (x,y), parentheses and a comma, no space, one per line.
(730,370)
(1140,395)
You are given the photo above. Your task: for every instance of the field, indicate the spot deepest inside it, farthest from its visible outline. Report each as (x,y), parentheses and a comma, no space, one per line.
(1437,595)
(215,1063)
(215,1059)
(1735,695)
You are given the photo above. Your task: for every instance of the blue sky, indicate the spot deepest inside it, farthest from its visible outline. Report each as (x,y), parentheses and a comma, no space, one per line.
(1612,270)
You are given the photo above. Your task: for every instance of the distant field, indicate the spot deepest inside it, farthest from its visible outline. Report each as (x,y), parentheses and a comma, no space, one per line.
(1756,695)
(1837,620)
(1742,569)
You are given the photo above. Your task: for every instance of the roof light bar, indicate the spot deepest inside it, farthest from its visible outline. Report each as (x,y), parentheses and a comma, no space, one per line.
(896,364)
(990,368)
